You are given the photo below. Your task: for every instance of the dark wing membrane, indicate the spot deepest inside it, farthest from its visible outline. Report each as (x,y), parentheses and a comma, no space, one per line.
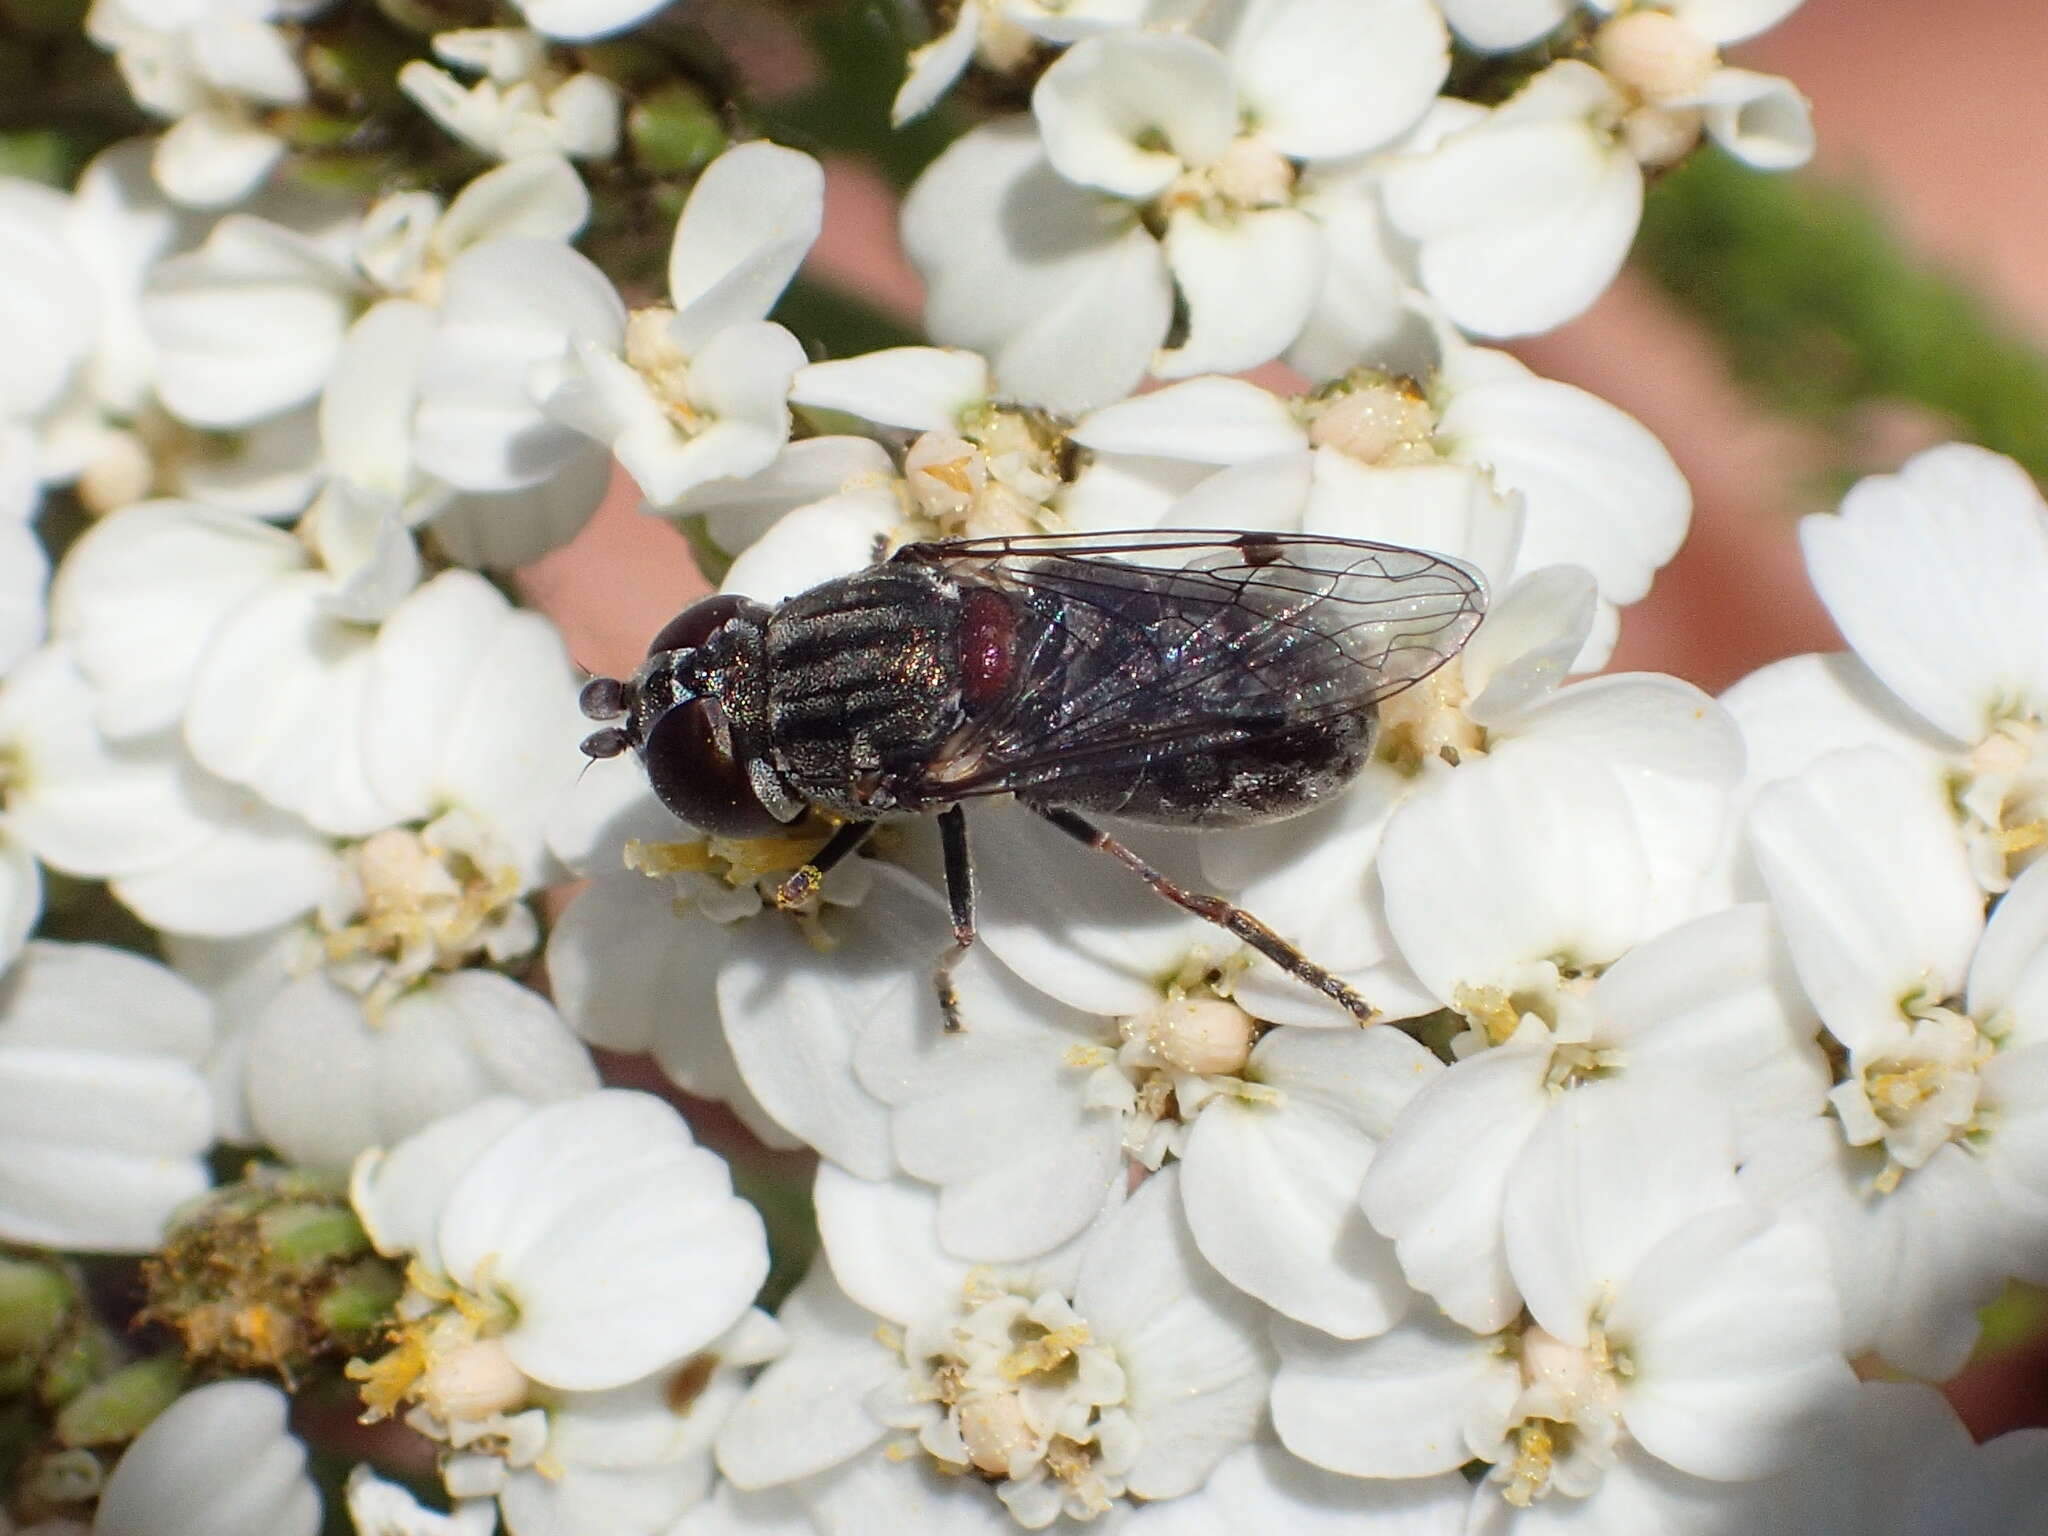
(1192,639)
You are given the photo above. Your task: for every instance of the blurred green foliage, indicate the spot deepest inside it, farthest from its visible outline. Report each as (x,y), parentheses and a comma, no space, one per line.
(1823,311)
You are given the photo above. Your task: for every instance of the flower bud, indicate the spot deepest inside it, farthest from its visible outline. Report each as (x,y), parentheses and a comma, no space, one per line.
(471,1382)
(1206,1036)
(1655,55)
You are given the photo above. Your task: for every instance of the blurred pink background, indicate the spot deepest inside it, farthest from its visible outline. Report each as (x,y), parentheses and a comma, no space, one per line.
(1933,107)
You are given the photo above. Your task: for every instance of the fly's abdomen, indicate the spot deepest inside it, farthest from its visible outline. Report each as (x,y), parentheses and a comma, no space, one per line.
(863,684)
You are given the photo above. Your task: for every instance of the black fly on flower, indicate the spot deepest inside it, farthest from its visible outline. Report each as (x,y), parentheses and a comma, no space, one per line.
(1180,677)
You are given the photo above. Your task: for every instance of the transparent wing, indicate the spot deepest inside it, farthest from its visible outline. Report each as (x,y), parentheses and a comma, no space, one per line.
(1130,643)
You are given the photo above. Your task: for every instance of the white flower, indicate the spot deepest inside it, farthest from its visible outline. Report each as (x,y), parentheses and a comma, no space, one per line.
(975,468)
(1033,238)
(521,106)
(324,1075)
(1597,489)
(251,324)
(673,923)
(1936,576)
(1258,1488)
(73,272)
(1923,1165)
(210,67)
(568,1265)
(217,1462)
(536,357)
(108,1118)
(1002,33)
(378,1508)
(1505,25)
(281,681)
(1901,1463)
(1118,1368)
(581,21)
(1702,1010)
(1521,216)
(1675,1337)
(1029,1119)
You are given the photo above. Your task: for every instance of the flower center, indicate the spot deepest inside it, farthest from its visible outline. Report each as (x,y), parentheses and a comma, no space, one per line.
(1918,1095)
(1428,721)
(1171,1059)
(1544,998)
(1658,63)
(1016,1389)
(1377,420)
(1250,175)
(1564,1427)
(446,1358)
(730,879)
(2001,790)
(652,353)
(421,901)
(996,475)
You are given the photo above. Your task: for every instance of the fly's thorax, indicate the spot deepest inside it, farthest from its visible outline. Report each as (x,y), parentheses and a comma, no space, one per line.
(864,685)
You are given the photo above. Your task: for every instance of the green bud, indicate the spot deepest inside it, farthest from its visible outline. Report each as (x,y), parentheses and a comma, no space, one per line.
(675,131)
(311,1234)
(270,1274)
(362,1300)
(80,1361)
(115,1410)
(36,1301)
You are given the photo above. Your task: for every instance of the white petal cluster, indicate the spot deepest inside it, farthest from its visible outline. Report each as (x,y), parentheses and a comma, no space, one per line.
(1202,189)
(218,1462)
(537,368)
(107,1116)
(519,105)
(1898,806)
(212,69)
(578,1310)
(1710,1038)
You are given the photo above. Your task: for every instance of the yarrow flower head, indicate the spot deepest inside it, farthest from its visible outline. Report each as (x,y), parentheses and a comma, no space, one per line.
(515,1220)
(1113,1368)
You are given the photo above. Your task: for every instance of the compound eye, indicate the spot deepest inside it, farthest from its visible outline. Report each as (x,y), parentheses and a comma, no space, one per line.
(700,621)
(700,773)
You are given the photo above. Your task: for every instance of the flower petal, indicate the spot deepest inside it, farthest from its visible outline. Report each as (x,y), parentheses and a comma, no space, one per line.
(1873,887)
(618,1238)
(1248,283)
(1962,536)
(747,226)
(1104,102)
(1271,1188)
(1325,78)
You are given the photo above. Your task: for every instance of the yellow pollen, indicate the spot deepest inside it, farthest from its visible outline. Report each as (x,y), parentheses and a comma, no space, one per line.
(387,1380)
(1491,1009)
(2023,838)
(1894,1094)
(952,474)
(1535,1452)
(1044,1353)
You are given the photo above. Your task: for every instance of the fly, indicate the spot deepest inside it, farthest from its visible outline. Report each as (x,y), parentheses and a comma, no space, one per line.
(1179,677)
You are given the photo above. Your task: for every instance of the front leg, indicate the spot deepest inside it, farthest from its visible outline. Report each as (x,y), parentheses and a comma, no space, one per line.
(960,901)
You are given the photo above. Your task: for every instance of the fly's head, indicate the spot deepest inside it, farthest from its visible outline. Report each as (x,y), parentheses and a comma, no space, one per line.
(696,712)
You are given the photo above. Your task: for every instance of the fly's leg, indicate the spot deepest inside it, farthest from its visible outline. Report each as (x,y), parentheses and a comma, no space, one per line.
(797,889)
(960,902)
(1234,920)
